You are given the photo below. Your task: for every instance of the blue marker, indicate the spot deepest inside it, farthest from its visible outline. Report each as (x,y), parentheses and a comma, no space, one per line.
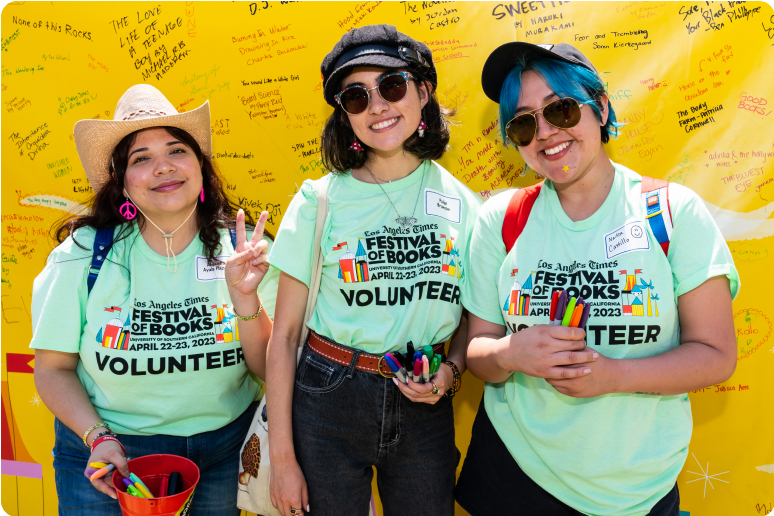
(395,367)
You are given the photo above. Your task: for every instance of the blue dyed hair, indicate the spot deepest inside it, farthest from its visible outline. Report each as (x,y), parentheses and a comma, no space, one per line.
(566,80)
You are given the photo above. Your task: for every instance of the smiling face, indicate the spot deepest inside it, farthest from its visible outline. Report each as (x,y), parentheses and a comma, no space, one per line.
(561,155)
(385,126)
(163,175)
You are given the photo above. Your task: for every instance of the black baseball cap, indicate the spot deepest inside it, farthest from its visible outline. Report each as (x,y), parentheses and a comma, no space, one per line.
(373,45)
(505,57)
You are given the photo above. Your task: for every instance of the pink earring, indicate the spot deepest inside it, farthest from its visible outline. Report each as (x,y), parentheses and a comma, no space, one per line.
(421,128)
(128,210)
(201,195)
(356,146)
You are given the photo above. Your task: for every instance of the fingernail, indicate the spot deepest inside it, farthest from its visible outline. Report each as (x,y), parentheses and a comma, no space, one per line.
(114,497)
(595,355)
(255,262)
(586,371)
(395,381)
(307,508)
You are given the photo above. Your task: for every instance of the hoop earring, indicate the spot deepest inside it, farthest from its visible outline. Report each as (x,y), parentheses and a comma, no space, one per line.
(201,195)
(128,210)
(356,146)
(421,128)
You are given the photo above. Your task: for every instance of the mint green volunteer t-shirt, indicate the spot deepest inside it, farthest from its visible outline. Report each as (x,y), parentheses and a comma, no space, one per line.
(381,285)
(616,453)
(159,352)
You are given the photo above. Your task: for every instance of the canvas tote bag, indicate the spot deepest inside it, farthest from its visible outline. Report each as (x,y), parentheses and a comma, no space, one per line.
(254,468)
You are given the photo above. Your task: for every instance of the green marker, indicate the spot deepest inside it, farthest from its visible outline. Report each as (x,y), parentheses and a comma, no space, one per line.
(436,364)
(428,352)
(134,492)
(568,312)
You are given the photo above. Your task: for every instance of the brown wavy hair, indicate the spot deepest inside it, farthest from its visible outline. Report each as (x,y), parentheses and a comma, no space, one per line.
(218,211)
(337,135)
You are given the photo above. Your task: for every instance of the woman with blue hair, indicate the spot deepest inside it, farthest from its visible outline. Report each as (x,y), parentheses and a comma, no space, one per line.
(590,416)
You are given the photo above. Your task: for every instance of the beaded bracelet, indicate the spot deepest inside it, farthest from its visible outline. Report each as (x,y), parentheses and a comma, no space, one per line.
(104,438)
(456,380)
(92,427)
(260,309)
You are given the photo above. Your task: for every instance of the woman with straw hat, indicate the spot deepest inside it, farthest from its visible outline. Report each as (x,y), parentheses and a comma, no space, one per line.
(135,331)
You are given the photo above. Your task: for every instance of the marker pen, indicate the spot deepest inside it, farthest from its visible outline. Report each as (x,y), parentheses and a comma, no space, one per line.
(568,312)
(395,368)
(140,486)
(576,316)
(425,369)
(417,370)
(554,301)
(102,472)
(134,492)
(584,316)
(127,482)
(561,304)
(428,352)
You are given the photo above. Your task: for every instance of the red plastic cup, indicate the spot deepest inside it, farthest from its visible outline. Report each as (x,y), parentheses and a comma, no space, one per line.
(151,469)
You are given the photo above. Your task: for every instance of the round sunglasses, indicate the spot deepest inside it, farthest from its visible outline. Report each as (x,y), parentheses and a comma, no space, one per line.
(562,114)
(392,88)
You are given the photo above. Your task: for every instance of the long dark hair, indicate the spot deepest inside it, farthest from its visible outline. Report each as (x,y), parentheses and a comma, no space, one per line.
(337,135)
(218,211)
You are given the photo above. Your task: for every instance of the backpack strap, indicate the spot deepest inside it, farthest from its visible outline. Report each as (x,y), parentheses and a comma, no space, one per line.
(655,195)
(103,241)
(232,232)
(517,213)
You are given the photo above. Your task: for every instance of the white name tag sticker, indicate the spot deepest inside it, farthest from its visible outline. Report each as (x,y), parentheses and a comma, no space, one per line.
(207,272)
(442,205)
(632,236)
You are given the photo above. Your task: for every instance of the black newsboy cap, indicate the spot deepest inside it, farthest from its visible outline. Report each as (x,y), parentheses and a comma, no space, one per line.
(373,45)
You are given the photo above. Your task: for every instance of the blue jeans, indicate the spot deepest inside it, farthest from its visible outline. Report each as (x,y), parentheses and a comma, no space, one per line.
(345,421)
(216,454)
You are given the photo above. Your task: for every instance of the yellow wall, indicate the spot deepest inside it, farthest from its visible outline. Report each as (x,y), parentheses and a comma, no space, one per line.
(258,65)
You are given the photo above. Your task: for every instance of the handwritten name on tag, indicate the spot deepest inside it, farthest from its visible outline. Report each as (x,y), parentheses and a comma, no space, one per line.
(632,236)
(211,272)
(442,205)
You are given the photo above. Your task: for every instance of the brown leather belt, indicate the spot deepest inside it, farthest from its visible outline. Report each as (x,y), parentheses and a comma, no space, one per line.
(365,362)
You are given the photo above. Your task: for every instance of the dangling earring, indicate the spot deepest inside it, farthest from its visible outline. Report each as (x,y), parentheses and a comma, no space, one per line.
(128,210)
(421,128)
(201,195)
(356,146)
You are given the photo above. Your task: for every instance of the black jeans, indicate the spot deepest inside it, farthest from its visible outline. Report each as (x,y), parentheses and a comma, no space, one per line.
(345,421)
(491,482)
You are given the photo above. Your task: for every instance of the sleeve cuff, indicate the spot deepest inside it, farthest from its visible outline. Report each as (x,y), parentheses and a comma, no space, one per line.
(700,277)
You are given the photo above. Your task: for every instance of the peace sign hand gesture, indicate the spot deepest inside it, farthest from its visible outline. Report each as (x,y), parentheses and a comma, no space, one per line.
(247,266)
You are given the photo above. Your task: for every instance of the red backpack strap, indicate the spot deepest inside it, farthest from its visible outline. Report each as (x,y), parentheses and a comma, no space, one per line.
(655,195)
(517,213)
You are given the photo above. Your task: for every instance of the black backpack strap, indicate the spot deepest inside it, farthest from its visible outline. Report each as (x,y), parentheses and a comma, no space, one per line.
(102,243)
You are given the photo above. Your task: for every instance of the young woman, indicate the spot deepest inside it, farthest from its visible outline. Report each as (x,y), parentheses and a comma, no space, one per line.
(146,356)
(397,226)
(595,422)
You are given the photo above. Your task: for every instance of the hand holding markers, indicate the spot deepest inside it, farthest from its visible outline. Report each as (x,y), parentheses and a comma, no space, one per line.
(418,374)
(108,456)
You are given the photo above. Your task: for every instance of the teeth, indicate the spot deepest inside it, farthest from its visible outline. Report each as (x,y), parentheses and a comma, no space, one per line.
(386,123)
(556,149)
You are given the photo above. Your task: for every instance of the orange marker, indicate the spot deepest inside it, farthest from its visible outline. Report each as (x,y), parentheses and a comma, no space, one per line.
(102,472)
(576,316)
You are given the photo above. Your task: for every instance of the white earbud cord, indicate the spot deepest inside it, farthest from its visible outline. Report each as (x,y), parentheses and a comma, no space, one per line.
(167,236)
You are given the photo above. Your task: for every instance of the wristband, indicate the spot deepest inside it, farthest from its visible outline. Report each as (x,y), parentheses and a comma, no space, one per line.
(104,438)
(88,431)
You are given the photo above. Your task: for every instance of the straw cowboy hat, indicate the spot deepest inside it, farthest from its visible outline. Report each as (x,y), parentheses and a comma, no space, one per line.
(141,107)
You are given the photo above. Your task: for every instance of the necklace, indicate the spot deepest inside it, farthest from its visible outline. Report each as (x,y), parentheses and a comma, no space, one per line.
(404,222)
(167,236)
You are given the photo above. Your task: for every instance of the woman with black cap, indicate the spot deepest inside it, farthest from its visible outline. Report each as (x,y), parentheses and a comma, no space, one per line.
(597,421)
(396,229)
